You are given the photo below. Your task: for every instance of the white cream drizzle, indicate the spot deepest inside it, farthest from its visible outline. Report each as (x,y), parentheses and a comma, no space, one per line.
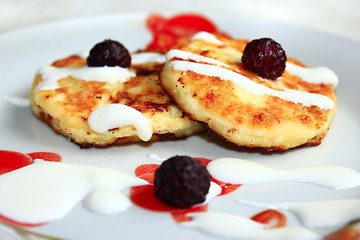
(46,191)
(238,171)
(60,186)
(317,75)
(104,200)
(214,191)
(208,37)
(112,116)
(50,75)
(304,98)
(233,226)
(317,214)
(147,57)
(191,56)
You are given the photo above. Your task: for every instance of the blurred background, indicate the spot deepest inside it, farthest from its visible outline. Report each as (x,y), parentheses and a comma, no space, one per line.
(339,17)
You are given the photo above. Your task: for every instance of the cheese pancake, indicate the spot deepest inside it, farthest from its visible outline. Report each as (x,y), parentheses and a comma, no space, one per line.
(60,97)
(207,79)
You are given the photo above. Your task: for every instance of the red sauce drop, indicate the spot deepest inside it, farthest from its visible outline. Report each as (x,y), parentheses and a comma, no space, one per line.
(47,156)
(10,161)
(345,234)
(143,196)
(167,32)
(273,218)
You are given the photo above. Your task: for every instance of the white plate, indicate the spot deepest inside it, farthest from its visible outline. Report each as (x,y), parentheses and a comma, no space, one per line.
(23,52)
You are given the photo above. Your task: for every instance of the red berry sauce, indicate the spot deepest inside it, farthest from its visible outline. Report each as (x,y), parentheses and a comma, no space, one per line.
(167,32)
(143,196)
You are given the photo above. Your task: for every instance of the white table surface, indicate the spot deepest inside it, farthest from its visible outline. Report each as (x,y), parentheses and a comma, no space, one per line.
(340,17)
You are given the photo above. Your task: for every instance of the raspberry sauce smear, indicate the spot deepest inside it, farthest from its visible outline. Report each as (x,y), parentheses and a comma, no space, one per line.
(143,196)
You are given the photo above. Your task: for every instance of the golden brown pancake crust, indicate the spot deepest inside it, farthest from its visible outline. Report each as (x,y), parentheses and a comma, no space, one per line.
(67,108)
(240,117)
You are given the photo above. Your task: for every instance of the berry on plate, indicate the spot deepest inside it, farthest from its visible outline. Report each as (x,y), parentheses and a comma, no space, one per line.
(182,182)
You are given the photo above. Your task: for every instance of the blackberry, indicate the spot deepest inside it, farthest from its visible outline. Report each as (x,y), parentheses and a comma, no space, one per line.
(109,53)
(265,57)
(181,182)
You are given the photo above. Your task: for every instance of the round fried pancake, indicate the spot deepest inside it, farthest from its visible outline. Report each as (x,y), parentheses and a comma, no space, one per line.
(67,107)
(206,78)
